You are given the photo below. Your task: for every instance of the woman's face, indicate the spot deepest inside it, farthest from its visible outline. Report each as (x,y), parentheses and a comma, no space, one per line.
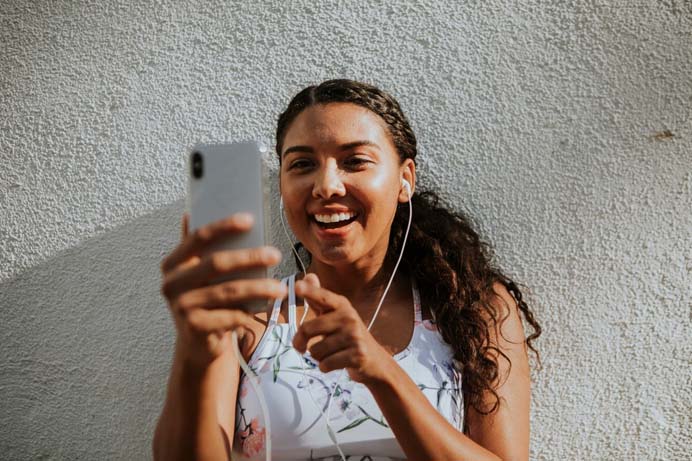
(340,180)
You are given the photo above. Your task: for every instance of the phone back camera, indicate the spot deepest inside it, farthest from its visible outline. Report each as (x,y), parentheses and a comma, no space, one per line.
(197,165)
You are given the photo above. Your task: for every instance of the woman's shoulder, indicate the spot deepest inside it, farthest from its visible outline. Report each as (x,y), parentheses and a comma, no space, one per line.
(508,331)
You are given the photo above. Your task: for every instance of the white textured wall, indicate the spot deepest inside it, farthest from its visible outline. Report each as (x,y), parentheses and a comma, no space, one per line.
(564,130)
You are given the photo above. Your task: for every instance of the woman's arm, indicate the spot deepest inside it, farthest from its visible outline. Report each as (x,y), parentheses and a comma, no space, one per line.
(506,432)
(425,434)
(420,429)
(197,421)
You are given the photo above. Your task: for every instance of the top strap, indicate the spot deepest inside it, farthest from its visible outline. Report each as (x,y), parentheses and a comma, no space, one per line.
(418,316)
(292,303)
(277,306)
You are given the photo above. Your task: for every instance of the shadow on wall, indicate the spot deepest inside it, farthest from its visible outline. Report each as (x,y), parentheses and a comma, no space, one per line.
(86,344)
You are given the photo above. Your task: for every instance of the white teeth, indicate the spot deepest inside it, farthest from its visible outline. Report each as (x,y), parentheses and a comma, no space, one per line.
(336,217)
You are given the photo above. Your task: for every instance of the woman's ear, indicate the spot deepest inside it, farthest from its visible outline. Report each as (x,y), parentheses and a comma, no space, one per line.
(408,175)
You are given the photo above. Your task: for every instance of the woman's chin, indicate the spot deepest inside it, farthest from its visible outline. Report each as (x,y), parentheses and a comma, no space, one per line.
(333,255)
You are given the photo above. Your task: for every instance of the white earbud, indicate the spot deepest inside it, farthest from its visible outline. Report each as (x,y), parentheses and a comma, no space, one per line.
(281,202)
(406,185)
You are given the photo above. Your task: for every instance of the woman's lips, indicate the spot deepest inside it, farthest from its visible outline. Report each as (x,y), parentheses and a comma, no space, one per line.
(333,232)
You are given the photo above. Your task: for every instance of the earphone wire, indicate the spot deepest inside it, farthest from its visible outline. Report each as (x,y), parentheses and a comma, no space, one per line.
(372,321)
(330,431)
(254,379)
(252,376)
(326,417)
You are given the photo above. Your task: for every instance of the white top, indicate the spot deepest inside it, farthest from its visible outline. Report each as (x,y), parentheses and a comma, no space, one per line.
(298,429)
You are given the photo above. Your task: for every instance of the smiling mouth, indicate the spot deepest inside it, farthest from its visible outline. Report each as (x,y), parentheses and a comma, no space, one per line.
(334,225)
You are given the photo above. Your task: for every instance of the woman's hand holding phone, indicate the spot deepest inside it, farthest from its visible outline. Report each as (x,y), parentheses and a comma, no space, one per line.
(205,313)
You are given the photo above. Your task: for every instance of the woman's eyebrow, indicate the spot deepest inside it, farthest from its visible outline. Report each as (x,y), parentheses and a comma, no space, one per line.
(353,144)
(304,149)
(347,146)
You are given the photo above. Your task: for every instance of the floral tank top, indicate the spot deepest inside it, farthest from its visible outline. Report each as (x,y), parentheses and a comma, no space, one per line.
(298,429)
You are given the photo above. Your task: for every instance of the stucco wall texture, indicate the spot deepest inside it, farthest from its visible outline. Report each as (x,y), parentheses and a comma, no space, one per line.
(562,128)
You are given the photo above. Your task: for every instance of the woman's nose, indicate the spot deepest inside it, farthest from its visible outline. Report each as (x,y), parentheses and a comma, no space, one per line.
(328,183)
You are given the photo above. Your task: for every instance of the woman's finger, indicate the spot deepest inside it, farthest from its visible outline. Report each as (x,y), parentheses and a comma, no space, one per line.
(319,298)
(330,345)
(219,263)
(322,325)
(312,279)
(342,359)
(204,321)
(232,294)
(195,243)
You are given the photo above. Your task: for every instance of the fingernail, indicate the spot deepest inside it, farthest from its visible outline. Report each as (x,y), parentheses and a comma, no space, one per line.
(271,252)
(244,218)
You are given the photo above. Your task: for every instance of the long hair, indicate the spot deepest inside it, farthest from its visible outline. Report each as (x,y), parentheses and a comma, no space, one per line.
(444,254)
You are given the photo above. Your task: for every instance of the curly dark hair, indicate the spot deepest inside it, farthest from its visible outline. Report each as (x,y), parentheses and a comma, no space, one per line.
(444,253)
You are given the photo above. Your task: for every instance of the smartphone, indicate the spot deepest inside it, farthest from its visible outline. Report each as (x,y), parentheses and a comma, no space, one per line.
(224,179)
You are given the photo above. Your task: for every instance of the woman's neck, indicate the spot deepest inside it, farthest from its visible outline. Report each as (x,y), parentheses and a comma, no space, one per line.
(362,285)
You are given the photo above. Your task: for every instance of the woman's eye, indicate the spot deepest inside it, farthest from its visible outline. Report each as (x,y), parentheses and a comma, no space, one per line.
(299,164)
(357,161)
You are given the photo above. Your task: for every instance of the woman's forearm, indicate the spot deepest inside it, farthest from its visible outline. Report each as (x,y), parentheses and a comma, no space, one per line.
(188,427)
(420,429)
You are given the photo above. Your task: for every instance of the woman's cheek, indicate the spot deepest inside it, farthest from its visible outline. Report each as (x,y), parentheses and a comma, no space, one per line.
(381,193)
(379,180)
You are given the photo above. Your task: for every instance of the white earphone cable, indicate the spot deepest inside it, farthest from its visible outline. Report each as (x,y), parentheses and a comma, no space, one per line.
(332,434)
(252,376)
(255,386)
(301,359)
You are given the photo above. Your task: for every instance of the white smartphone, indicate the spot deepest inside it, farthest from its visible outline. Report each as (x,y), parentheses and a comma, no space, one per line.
(224,179)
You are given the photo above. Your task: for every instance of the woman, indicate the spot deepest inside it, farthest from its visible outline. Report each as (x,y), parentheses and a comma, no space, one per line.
(453,384)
